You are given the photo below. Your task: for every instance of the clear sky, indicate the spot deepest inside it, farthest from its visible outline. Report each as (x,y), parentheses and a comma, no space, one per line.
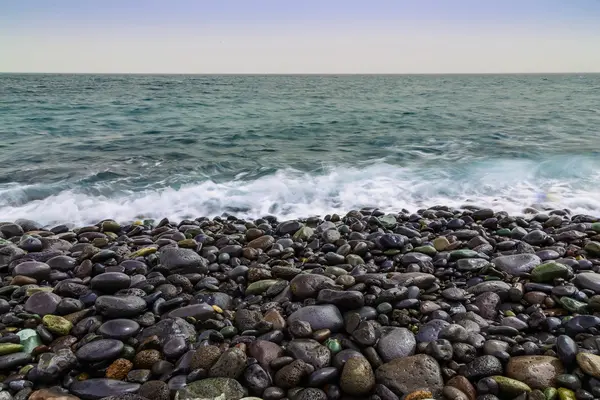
(300,36)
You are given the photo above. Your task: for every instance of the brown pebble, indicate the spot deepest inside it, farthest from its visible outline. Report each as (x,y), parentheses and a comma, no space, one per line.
(119,369)
(21,280)
(273,316)
(419,395)
(463,384)
(49,394)
(145,359)
(205,357)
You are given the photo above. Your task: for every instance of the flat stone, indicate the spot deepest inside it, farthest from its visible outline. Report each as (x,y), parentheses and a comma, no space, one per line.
(212,388)
(408,374)
(110,282)
(168,328)
(589,363)
(200,312)
(120,306)
(308,285)
(539,372)
(34,269)
(100,350)
(183,261)
(119,329)
(13,360)
(42,303)
(97,388)
(325,316)
(517,264)
(396,343)
(588,280)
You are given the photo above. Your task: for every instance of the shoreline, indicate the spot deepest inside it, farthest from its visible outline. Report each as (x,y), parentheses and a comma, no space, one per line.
(444,303)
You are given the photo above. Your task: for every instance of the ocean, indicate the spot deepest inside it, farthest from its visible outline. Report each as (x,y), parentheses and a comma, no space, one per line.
(82,148)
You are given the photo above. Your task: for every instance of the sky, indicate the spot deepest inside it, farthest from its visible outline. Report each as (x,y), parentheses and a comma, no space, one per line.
(300,36)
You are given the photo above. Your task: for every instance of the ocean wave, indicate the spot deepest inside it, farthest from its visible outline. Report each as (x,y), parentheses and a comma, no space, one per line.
(509,185)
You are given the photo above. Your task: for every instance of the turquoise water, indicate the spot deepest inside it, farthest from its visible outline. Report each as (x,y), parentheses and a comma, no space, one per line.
(80,148)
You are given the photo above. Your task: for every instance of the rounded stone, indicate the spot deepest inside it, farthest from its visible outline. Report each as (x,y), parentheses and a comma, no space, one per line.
(357,377)
(539,372)
(120,306)
(110,282)
(42,303)
(100,350)
(119,329)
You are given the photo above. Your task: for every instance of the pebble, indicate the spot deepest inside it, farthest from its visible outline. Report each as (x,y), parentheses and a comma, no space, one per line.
(362,305)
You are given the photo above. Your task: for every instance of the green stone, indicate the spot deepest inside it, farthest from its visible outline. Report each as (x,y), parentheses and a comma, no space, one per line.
(9,348)
(509,313)
(593,248)
(212,388)
(441,243)
(392,252)
(260,287)
(333,345)
(56,324)
(388,221)
(463,253)
(188,244)
(100,242)
(7,290)
(229,331)
(511,386)
(303,234)
(146,251)
(4,242)
(128,352)
(354,260)
(110,226)
(429,250)
(503,232)
(550,271)
(550,393)
(573,305)
(111,235)
(25,369)
(29,339)
(596,227)
(566,394)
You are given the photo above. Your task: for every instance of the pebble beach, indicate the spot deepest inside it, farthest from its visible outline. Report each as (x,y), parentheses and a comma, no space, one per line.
(458,304)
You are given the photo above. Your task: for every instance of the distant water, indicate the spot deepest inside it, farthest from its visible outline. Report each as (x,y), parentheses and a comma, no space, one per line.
(80,148)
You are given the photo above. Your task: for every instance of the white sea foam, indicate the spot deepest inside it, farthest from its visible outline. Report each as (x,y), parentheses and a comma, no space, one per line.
(509,185)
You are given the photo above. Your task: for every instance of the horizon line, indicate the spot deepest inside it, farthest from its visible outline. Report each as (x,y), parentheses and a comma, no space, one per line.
(302,73)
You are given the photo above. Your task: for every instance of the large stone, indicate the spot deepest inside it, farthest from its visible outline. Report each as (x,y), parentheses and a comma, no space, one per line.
(230,364)
(405,375)
(200,312)
(120,306)
(517,264)
(310,351)
(308,285)
(183,261)
(42,303)
(325,316)
(357,377)
(588,280)
(212,388)
(34,269)
(539,372)
(549,271)
(589,363)
(168,328)
(97,388)
(396,343)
